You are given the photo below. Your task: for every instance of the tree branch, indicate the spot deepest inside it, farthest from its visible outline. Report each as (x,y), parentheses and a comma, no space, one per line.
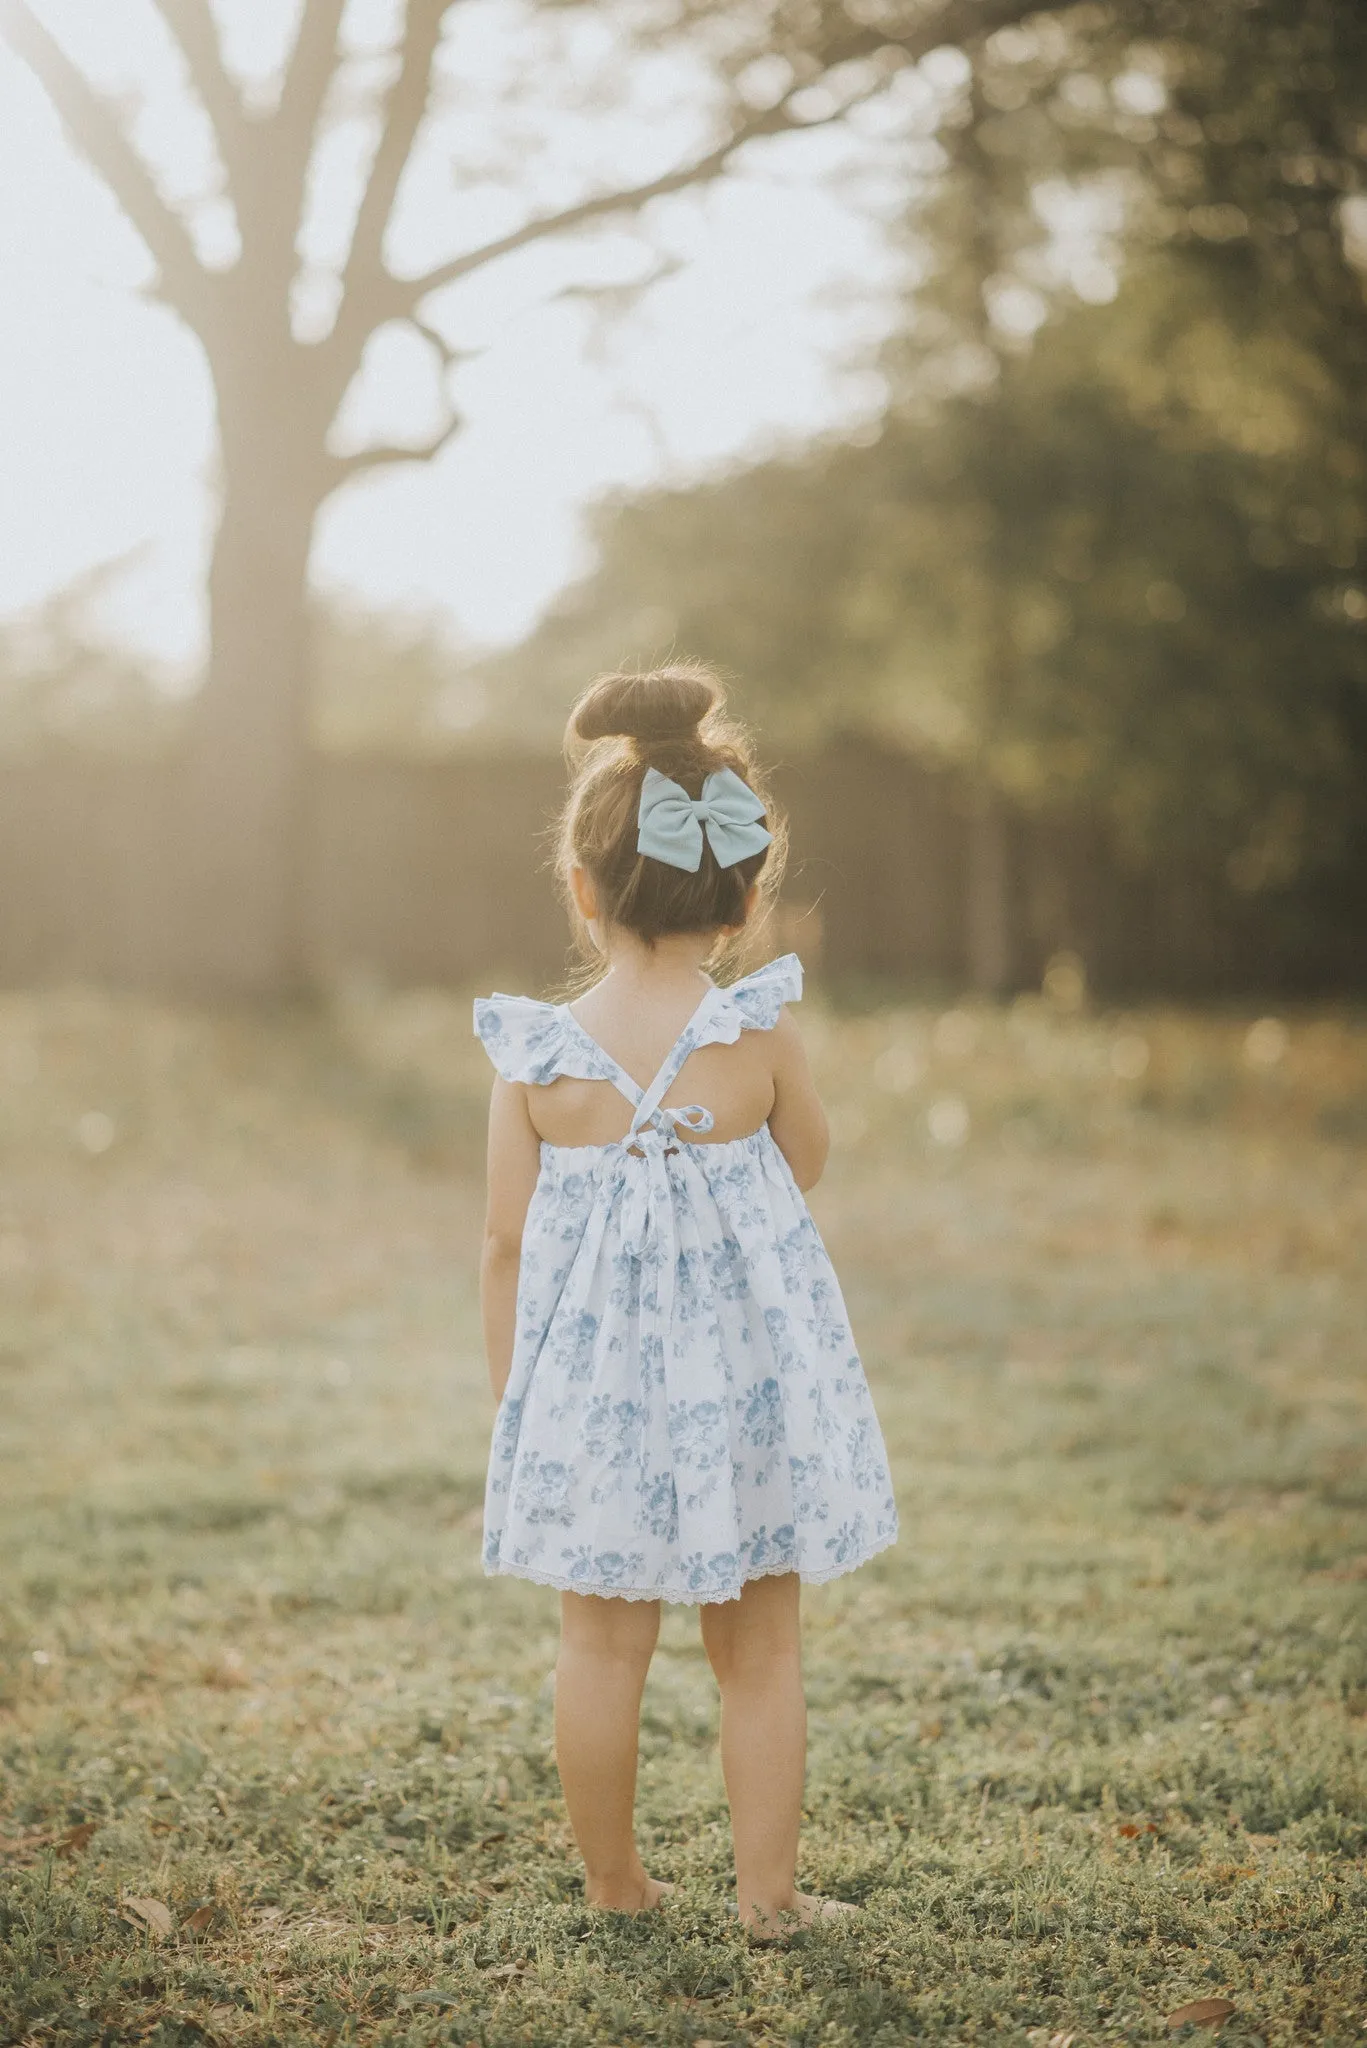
(961,21)
(308,75)
(405,108)
(406,292)
(98,136)
(448,355)
(383,455)
(191,24)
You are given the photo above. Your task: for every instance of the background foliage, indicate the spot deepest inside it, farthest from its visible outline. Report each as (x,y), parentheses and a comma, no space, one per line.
(1105,542)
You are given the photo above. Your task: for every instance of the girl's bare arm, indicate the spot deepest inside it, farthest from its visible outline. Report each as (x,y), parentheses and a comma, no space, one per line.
(797,1119)
(514,1162)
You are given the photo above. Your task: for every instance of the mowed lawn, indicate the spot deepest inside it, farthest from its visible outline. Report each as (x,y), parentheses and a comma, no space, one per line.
(1087,1747)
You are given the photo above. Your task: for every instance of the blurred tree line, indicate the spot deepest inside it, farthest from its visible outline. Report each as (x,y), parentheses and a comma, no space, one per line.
(1102,548)
(1105,546)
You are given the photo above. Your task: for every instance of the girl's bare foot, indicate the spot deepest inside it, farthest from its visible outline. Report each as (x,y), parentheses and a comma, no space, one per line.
(803,1910)
(637,1895)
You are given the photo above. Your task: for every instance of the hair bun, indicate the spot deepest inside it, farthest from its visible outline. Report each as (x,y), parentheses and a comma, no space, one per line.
(666,704)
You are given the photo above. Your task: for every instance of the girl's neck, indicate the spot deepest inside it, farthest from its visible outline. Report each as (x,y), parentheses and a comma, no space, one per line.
(675,961)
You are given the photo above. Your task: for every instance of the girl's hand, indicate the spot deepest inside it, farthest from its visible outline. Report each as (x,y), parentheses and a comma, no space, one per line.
(797,1120)
(514,1163)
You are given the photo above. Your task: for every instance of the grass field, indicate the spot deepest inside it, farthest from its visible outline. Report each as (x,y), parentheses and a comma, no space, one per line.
(1087,1746)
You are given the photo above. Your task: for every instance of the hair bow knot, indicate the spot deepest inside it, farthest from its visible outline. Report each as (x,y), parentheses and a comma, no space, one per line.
(671,823)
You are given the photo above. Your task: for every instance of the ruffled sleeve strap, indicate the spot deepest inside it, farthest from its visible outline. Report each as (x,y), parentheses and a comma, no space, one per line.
(754,1002)
(524,1039)
(538,1042)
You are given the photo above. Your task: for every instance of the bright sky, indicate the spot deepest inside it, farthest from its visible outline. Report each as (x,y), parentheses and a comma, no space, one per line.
(106,425)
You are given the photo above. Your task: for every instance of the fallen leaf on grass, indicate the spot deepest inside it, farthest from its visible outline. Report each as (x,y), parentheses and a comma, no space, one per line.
(1344,1574)
(61,1842)
(1202,2012)
(149,1915)
(226,1672)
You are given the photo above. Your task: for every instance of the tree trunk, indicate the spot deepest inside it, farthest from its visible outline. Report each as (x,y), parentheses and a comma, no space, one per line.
(989,907)
(245,776)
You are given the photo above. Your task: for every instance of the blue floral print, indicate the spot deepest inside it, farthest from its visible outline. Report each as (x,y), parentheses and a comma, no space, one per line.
(686,1408)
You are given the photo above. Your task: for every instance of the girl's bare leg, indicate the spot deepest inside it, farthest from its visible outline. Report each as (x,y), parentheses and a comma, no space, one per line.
(754,1646)
(605,1651)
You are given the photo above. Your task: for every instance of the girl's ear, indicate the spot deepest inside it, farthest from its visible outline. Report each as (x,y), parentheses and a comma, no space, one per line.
(750,906)
(584,894)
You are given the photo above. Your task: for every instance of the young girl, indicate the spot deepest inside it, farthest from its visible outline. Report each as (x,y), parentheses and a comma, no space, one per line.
(682,1412)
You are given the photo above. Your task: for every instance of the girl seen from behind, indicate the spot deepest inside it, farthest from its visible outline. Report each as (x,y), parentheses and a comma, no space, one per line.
(682,1412)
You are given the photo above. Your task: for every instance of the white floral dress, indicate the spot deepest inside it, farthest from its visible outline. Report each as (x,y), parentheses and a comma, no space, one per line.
(686,1408)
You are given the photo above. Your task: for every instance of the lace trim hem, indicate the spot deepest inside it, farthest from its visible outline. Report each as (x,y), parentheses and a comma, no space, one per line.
(688,1599)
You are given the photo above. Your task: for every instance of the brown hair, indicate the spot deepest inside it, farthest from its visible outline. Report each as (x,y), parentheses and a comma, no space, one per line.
(674,720)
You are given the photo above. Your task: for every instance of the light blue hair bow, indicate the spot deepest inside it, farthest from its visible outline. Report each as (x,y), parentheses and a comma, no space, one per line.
(671,822)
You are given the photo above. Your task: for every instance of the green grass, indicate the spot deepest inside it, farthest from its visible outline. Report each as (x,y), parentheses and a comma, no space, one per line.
(1087,1745)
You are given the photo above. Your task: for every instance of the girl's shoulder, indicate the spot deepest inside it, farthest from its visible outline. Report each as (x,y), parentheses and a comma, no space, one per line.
(537,1042)
(753,1003)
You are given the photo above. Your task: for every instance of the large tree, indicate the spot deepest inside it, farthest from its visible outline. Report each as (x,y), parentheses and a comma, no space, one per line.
(279,392)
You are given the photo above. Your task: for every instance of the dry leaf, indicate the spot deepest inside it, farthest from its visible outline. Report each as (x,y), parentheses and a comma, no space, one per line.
(60,1842)
(1202,2012)
(1345,1574)
(200,1920)
(226,1671)
(149,1914)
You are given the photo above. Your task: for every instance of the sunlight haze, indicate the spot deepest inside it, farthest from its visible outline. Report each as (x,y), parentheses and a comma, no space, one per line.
(105,405)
